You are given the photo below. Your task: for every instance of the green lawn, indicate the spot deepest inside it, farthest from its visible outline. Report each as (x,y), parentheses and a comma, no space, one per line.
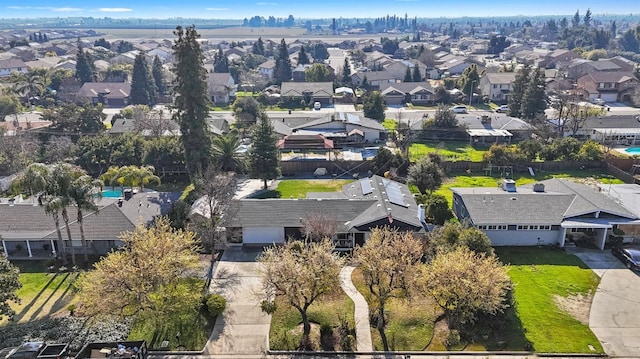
(538,275)
(299,188)
(195,326)
(521,178)
(328,311)
(42,294)
(453,151)
(389,124)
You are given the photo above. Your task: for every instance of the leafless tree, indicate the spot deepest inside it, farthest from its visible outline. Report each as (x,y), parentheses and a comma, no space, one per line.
(318,226)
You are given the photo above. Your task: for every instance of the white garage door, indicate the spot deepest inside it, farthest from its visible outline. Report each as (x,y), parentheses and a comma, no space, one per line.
(262,235)
(609,97)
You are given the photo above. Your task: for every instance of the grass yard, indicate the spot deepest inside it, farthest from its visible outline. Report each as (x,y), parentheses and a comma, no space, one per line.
(329,313)
(410,325)
(539,276)
(454,151)
(194,326)
(389,124)
(42,294)
(299,188)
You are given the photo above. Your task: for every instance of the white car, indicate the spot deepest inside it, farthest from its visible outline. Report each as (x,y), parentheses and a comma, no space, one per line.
(459,109)
(599,101)
(503,108)
(317,105)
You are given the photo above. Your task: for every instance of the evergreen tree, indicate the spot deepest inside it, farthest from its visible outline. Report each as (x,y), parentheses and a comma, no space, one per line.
(576,19)
(365,82)
(373,106)
(534,99)
(191,100)
(587,18)
(45,38)
(613,29)
(564,23)
(85,71)
(264,156)
(158,76)
(143,87)
(417,76)
(517,91)
(346,72)
(40,38)
(469,80)
(283,63)
(258,47)
(303,58)
(221,62)
(407,75)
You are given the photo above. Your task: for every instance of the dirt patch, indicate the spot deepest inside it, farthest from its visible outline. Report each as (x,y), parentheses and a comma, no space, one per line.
(314,335)
(440,333)
(578,306)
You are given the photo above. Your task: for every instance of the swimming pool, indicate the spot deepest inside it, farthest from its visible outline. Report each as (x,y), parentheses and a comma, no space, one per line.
(633,150)
(111,193)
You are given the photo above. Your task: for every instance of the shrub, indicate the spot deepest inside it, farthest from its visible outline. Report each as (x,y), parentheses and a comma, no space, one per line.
(268,307)
(215,304)
(453,338)
(284,340)
(347,343)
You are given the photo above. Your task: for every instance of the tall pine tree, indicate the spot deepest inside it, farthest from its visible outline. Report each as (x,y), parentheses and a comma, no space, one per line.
(85,71)
(283,63)
(264,156)
(517,91)
(346,72)
(191,101)
(158,76)
(303,58)
(258,47)
(534,100)
(143,87)
(417,76)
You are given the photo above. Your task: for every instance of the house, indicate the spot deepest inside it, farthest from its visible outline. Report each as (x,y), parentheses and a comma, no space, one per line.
(621,130)
(560,58)
(344,129)
(623,63)
(111,94)
(452,67)
(417,93)
(309,92)
(12,65)
(497,86)
(221,87)
(361,206)
(399,68)
(581,67)
(611,86)
(299,142)
(27,231)
(374,78)
(552,212)
(267,68)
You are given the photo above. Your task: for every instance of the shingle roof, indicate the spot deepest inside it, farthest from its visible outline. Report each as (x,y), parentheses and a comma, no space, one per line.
(406,87)
(500,77)
(12,63)
(109,89)
(298,88)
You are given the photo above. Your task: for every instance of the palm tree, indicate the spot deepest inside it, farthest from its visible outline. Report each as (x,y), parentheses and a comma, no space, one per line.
(29,85)
(52,206)
(84,191)
(62,176)
(226,153)
(115,176)
(140,176)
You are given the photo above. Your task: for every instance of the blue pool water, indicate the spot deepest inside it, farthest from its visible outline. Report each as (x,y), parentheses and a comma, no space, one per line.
(633,150)
(369,152)
(111,193)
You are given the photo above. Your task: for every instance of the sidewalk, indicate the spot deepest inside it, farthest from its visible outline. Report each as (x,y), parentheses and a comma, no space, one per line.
(361,315)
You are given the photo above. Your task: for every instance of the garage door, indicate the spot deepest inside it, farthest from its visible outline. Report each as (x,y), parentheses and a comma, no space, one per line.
(609,97)
(262,235)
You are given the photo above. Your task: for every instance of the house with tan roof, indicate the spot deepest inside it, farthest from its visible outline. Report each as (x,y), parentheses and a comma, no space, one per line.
(110,94)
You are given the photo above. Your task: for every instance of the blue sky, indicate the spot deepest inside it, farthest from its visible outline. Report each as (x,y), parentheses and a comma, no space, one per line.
(238,9)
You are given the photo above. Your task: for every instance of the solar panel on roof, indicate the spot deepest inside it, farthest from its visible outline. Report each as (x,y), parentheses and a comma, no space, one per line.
(394,193)
(366,186)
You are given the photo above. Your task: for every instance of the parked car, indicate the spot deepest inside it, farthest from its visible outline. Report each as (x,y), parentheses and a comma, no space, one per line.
(28,350)
(503,108)
(628,254)
(317,105)
(459,109)
(599,101)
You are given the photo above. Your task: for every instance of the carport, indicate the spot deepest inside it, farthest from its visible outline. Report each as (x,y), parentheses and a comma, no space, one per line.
(600,230)
(489,135)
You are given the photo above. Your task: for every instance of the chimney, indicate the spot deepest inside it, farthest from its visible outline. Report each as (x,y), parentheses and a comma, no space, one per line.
(128,193)
(421,213)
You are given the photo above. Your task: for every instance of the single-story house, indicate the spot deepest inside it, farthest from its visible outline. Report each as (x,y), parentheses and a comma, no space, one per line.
(552,212)
(344,129)
(310,92)
(374,78)
(361,206)
(417,93)
(113,94)
(12,65)
(28,232)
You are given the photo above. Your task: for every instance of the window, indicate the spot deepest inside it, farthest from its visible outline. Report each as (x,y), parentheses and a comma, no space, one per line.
(495,86)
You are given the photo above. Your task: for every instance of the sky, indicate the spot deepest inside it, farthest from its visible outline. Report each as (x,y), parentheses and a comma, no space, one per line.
(239,9)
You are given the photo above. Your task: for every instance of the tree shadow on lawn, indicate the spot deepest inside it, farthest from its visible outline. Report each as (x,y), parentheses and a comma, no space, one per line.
(41,307)
(26,308)
(501,332)
(533,256)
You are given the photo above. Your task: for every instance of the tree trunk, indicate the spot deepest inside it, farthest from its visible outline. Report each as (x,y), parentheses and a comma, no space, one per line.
(381,325)
(265,183)
(65,217)
(82,238)
(61,250)
(306,330)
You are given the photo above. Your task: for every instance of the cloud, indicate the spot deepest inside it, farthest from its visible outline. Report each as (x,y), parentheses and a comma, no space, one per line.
(114,9)
(217,9)
(266,3)
(19,7)
(66,9)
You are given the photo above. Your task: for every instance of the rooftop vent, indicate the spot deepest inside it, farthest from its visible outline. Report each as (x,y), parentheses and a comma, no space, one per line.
(538,187)
(508,185)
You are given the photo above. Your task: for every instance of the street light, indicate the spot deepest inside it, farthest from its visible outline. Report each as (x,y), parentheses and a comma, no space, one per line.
(471,91)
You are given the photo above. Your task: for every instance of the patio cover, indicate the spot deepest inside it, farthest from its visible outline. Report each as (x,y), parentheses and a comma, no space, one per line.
(344,90)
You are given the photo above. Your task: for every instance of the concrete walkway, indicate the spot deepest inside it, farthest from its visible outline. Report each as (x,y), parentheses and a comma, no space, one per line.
(243,328)
(361,315)
(615,310)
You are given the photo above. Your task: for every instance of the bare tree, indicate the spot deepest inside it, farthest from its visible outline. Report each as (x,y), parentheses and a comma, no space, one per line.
(318,226)
(390,262)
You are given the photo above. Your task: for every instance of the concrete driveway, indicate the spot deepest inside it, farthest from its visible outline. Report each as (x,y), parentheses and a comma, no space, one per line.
(615,309)
(243,328)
